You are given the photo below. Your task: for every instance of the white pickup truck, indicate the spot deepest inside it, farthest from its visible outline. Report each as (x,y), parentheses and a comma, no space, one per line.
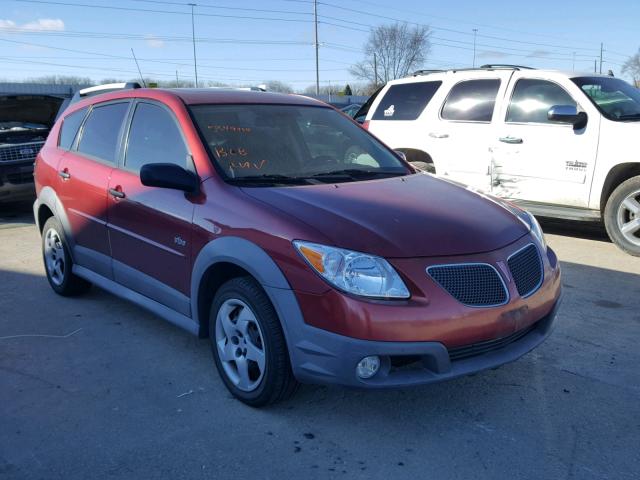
(559,144)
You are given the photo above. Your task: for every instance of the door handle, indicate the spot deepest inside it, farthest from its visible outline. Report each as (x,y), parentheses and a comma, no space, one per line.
(64,174)
(116,193)
(512,140)
(438,135)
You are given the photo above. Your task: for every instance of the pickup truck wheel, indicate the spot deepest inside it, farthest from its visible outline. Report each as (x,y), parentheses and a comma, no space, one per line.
(248,344)
(622,216)
(58,263)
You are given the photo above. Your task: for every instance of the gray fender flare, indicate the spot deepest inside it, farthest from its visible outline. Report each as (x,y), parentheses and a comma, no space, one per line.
(261,266)
(49,198)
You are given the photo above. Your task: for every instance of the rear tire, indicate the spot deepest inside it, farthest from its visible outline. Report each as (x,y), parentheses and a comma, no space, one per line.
(58,264)
(622,216)
(248,344)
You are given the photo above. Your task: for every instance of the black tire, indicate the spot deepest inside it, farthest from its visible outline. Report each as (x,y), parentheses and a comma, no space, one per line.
(615,215)
(62,279)
(277,382)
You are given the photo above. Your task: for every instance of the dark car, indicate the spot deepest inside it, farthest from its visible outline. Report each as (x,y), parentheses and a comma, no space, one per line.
(25,121)
(303,261)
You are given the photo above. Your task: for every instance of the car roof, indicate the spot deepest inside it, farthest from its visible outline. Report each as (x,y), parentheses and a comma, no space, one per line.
(199,96)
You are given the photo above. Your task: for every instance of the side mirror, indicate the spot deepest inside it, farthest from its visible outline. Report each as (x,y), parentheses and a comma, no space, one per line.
(168,175)
(424,166)
(567,114)
(401,154)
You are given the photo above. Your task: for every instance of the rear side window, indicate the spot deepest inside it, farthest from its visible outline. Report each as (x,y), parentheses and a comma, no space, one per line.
(70,126)
(532,99)
(471,101)
(405,101)
(101,131)
(154,138)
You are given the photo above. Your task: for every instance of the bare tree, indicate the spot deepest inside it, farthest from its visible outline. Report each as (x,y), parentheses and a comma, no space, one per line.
(61,80)
(278,86)
(632,67)
(394,51)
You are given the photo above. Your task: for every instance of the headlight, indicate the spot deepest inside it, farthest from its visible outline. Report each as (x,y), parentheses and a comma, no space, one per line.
(536,229)
(528,219)
(353,272)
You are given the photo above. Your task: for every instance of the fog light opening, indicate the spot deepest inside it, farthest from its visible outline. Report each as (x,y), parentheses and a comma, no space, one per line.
(368,367)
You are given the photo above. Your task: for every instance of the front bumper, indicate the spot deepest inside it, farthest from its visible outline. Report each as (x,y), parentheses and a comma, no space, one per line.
(323,357)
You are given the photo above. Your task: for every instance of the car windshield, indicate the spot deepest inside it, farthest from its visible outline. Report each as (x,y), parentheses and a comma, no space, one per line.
(291,145)
(615,98)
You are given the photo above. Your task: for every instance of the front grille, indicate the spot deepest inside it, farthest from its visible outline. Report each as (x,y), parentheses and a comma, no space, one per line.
(526,269)
(20,178)
(479,348)
(473,284)
(20,153)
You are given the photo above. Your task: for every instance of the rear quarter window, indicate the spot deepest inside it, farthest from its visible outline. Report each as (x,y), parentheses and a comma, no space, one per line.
(405,101)
(69,130)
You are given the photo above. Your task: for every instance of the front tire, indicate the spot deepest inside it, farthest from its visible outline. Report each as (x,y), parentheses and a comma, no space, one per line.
(622,216)
(248,344)
(58,264)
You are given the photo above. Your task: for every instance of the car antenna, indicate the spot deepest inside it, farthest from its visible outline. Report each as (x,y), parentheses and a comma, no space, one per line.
(136,60)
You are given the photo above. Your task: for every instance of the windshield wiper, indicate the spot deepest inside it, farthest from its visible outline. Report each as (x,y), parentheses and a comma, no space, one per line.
(358,173)
(630,116)
(282,179)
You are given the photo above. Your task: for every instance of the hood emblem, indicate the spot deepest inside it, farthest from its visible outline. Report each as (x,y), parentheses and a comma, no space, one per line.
(26,151)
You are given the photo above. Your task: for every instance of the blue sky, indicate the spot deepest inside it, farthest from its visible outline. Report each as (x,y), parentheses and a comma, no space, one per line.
(250,41)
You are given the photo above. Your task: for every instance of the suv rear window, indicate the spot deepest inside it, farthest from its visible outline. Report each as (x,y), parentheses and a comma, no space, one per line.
(405,101)
(101,131)
(70,126)
(471,101)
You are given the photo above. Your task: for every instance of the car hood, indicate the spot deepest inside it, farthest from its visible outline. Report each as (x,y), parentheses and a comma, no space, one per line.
(412,216)
(29,109)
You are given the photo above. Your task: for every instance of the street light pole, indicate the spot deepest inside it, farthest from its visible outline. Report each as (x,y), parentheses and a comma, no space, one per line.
(193,39)
(315,16)
(475,32)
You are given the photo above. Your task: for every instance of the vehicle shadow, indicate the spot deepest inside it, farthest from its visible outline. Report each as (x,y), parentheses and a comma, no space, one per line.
(16,213)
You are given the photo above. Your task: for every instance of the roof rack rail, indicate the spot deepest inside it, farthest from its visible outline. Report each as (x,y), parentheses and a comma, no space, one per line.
(426,72)
(506,65)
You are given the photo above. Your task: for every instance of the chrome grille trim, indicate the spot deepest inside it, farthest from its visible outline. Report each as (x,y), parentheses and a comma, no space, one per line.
(454,266)
(12,153)
(517,279)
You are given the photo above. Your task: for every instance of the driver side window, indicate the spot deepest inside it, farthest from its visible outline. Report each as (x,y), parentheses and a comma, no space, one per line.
(532,99)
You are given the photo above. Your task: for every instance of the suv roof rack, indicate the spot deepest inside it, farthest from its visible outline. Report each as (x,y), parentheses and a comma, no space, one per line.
(107,87)
(426,72)
(488,66)
(506,66)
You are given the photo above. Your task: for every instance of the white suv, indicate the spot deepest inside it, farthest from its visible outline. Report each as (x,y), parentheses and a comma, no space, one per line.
(558,144)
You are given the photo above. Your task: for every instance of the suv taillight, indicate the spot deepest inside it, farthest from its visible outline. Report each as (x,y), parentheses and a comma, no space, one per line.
(365,124)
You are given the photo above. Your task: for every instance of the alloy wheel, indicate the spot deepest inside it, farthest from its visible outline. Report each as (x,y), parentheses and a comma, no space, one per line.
(54,256)
(629,217)
(240,344)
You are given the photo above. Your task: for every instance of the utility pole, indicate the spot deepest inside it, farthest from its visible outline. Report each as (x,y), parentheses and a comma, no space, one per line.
(601,50)
(177,81)
(475,32)
(595,65)
(315,18)
(193,39)
(375,69)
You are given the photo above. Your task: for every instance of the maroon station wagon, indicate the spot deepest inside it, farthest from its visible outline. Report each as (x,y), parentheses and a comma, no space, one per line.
(304,248)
